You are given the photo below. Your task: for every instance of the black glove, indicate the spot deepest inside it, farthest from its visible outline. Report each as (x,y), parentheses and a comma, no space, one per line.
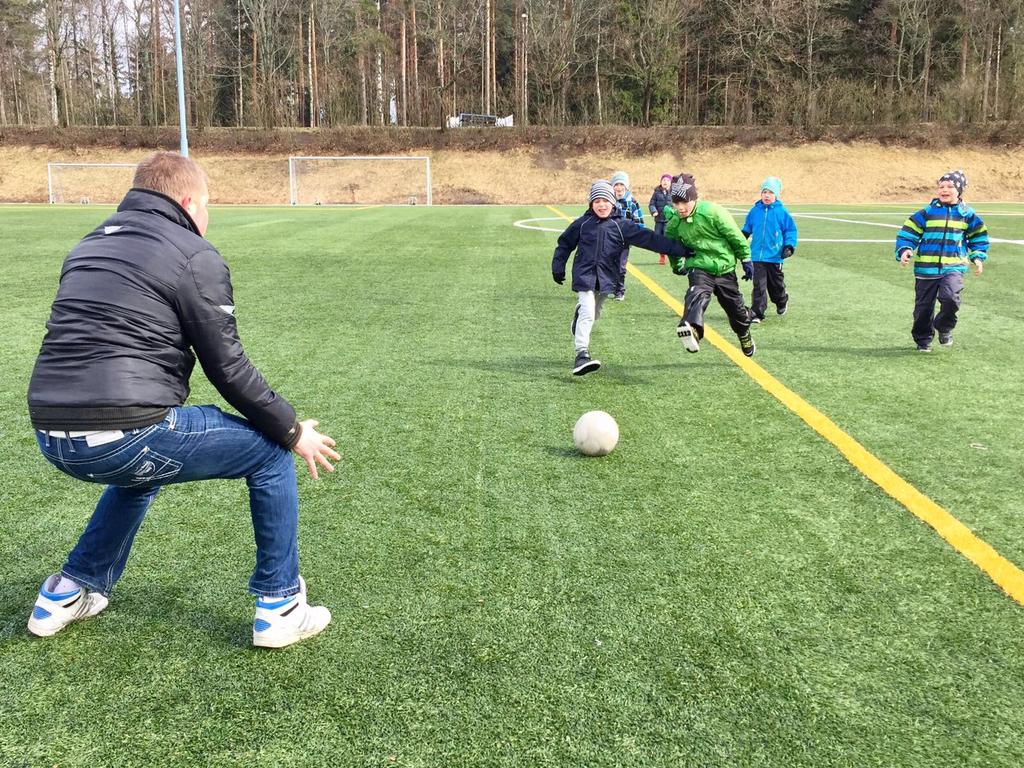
(787,251)
(559,277)
(748,270)
(679,270)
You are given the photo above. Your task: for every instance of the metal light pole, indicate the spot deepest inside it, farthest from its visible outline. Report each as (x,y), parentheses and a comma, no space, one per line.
(181,79)
(526,73)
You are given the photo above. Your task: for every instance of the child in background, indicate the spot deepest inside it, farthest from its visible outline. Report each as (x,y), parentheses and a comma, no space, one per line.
(660,198)
(598,237)
(941,239)
(717,244)
(630,209)
(772,234)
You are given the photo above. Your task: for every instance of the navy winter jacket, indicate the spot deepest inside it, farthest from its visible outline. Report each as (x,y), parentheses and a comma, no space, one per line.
(599,244)
(770,229)
(659,200)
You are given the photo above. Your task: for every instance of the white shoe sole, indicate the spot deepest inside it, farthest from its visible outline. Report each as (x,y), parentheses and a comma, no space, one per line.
(587,367)
(284,642)
(688,337)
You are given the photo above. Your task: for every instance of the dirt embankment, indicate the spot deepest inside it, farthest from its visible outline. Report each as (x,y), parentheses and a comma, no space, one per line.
(556,166)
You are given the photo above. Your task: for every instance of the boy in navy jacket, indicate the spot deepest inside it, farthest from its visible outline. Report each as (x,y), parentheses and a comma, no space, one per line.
(773,236)
(598,237)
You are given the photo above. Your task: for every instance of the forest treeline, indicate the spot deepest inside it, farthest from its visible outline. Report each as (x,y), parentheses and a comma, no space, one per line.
(336,63)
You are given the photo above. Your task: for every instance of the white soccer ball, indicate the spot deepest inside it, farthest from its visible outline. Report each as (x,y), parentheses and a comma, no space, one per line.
(595,433)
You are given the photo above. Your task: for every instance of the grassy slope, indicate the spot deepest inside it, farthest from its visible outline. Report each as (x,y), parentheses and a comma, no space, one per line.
(723,589)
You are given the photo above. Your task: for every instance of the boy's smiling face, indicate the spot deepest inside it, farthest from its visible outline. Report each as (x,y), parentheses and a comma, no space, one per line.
(947,193)
(620,190)
(602,208)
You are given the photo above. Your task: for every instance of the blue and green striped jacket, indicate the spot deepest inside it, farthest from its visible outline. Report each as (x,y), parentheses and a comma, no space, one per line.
(944,239)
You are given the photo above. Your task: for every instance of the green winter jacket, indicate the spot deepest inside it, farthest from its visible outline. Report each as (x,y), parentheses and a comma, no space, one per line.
(712,233)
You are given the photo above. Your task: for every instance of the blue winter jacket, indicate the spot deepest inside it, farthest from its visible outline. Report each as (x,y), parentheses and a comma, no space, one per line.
(944,238)
(770,229)
(599,244)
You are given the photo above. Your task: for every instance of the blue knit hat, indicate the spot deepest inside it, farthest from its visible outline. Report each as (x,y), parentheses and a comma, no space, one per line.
(774,185)
(602,190)
(620,177)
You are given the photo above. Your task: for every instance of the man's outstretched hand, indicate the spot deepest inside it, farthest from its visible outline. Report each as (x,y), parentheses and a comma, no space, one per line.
(315,448)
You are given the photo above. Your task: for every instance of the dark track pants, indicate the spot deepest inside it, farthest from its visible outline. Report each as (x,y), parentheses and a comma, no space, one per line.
(946,289)
(726,289)
(769,283)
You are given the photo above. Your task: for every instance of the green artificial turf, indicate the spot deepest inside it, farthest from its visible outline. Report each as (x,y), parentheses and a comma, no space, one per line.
(722,590)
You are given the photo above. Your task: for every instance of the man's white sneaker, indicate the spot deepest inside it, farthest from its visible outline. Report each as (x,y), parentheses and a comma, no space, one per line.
(55,610)
(688,336)
(282,621)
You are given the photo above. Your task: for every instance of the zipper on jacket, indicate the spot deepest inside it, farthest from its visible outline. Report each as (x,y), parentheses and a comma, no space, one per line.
(764,231)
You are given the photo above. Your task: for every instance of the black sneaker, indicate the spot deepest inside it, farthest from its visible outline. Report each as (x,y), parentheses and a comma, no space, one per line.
(747,345)
(924,347)
(945,339)
(584,364)
(755,320)
(782,310)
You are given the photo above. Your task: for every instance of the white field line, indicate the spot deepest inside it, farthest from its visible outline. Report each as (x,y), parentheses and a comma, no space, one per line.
(528,224)
(820,217)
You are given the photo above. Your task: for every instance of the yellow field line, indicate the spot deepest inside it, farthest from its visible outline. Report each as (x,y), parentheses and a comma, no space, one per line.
(1005,574)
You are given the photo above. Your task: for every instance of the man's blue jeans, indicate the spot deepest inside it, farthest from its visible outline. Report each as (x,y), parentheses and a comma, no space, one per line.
(193,443)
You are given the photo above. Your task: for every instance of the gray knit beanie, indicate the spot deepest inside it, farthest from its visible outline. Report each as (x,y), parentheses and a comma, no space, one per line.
(602,190)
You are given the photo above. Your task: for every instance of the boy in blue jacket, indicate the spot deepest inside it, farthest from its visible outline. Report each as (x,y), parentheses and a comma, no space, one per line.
(941,239)
(631,211)
(773,236)
(598,237)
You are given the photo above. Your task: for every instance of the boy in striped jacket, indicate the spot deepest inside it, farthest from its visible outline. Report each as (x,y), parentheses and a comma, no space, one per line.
(942,239)
(631,211)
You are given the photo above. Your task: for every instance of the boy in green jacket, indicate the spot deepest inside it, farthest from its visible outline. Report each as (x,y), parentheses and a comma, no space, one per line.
(718,244)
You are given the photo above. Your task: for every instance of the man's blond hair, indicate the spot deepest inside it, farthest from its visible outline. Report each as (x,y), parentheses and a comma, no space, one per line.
(170,174)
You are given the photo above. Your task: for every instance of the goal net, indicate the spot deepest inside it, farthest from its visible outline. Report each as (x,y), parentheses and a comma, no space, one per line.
(100,183)
(359,181)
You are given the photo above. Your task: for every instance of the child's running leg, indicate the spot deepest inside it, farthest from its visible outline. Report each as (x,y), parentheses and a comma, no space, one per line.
(948,292)
(776,284)
(759,297)
(727,290)
(620,291)
(923,329)
(698,296)
(583,319)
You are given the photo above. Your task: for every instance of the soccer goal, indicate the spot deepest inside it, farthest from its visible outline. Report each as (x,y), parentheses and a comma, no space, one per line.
(360,181)
(88,182)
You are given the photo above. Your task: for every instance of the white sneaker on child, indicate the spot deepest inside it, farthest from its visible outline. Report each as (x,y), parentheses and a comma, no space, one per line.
(688,336)
(55,610)
(282,621)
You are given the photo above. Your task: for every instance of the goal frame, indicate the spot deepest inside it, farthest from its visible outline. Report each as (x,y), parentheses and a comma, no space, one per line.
(293,189)
(49,174)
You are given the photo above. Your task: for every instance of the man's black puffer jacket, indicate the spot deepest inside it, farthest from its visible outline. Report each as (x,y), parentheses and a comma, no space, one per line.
(137,295)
